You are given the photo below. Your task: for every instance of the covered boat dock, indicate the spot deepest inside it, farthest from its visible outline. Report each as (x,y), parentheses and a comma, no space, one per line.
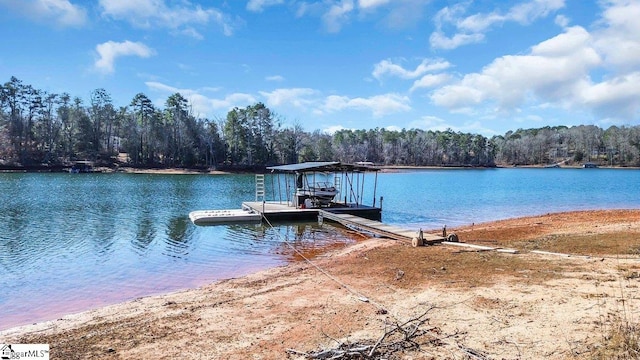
(299,191)
(326,191)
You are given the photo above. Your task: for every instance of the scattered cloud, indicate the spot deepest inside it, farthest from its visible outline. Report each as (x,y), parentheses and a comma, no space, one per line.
(334,129)
(430,81)
(379,105)
(387,67)
(618,97)
(471,29)
(260,5)
(372,4)
(439,40)
(156,13)
(337,15)
(298,97)
(109,51)
(554,69)
(617,37)
(202,105)
(277,78)
(562,21)
(434,123)
(576,70)
(59,12)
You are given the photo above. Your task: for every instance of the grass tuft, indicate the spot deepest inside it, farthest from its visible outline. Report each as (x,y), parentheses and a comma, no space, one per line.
(622,341)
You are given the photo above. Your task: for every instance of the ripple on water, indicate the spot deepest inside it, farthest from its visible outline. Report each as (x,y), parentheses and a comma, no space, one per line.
(68,243)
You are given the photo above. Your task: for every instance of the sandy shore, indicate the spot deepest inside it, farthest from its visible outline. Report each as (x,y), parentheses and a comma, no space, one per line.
(170,171)
(468,304)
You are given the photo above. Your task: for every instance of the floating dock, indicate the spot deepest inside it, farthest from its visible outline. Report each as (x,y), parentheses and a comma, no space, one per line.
(379,228)
(275,211)
(347,216)
(214,217)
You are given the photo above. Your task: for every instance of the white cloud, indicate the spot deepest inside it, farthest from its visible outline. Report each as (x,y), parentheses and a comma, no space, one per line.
(191,32)
(59,12)
(277,78)
(337,15)
(553,70)
(471,29)
(155,13)
(434,123)
(385,67)
(439,40)
(233,100)
(617,38)
(260,5)
(529,11)
(202,105)
(109,51)
(379,105)
(562,21)
(334,129)
(157,86)
(618,97)
(429,81)
(371,4)
(298,97)
(559,72)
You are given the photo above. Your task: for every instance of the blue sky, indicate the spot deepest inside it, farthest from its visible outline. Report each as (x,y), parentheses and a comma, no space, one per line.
(473,66)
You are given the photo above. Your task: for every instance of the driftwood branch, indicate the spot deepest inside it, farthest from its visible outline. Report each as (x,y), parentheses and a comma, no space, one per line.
(397,337)
(474,354)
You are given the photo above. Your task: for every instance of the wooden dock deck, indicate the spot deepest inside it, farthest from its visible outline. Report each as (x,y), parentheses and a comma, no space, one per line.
(344,215)
(286,211)
(280,211)
(379,228)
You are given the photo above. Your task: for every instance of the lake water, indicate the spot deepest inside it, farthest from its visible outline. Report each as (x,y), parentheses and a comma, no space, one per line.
(73,242)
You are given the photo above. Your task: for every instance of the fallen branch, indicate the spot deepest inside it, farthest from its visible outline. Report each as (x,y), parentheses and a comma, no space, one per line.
(397,337)
(474,354)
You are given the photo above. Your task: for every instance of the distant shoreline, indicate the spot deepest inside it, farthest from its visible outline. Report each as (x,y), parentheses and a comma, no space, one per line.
(200,171)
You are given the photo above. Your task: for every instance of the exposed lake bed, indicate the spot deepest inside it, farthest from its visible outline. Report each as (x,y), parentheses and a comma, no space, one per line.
(524,306)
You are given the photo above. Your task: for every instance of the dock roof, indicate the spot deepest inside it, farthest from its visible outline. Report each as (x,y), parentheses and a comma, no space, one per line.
(325,166)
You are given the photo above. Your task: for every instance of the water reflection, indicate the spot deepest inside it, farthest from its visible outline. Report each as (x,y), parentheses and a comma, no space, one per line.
(68,242)
(145,234)
(179,232)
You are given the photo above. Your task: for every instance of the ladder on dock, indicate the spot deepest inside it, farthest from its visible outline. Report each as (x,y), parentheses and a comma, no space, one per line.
(260,193)
(379,228)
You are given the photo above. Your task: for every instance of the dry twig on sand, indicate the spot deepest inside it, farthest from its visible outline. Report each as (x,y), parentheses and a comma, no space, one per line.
(398,337)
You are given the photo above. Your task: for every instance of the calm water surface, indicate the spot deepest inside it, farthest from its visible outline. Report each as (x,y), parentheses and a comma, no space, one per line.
(73,242)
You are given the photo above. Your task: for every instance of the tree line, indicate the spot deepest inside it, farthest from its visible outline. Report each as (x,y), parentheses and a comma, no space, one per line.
(41,128)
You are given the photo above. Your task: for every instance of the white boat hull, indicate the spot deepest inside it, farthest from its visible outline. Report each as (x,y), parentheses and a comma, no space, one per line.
(212,217)
(323,192)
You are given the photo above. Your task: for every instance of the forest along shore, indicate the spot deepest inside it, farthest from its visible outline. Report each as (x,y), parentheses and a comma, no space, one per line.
(151,135)
(396,300)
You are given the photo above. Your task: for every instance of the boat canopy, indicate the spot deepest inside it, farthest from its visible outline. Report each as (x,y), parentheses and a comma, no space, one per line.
(321,166)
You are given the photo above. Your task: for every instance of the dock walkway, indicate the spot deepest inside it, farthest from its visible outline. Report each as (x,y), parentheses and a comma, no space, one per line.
(280,211)
(379,228)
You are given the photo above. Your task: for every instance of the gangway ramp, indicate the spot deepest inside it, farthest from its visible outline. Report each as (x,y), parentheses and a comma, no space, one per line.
(378,228)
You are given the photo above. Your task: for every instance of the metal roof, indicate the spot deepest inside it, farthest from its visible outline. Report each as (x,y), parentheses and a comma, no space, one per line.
(325,166)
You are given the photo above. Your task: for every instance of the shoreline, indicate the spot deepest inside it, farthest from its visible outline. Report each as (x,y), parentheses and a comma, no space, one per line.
(197,171)
(294,306)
